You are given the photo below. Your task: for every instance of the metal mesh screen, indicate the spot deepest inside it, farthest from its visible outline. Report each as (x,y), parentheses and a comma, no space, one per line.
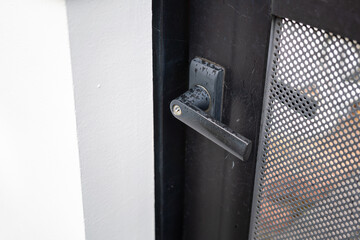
(308,173)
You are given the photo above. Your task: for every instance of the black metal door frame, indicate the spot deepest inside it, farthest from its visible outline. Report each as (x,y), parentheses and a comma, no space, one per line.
(236,35)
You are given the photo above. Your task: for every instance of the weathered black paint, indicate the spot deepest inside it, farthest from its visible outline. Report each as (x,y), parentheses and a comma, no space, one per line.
(218,187)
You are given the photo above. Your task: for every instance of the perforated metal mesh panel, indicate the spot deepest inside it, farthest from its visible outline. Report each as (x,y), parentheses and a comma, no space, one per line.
(308,173)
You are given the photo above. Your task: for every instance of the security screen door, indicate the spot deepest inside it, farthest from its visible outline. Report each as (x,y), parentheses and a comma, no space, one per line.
(307,180)
(292,87)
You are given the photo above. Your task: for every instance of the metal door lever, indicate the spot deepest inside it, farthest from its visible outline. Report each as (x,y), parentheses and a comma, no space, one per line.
(200,108)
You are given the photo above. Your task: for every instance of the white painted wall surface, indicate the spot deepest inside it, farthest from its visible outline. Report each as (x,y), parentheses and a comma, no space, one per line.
(40,192)
(111,53)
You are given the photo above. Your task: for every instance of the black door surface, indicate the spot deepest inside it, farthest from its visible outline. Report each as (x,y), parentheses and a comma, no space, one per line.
(292,87)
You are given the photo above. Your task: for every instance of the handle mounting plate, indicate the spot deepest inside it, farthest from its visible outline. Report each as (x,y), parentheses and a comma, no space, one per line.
(210,76)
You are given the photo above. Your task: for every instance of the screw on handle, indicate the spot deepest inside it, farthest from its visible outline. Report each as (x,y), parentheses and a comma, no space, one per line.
(191,107)
(176,110)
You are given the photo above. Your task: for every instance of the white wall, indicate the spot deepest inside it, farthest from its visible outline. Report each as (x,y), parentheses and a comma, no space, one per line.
(40,193)
(112,71)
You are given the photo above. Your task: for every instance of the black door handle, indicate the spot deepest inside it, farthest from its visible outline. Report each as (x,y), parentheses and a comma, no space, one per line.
(195,107)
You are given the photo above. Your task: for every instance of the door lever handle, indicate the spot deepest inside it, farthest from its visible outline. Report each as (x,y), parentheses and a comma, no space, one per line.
(194,109)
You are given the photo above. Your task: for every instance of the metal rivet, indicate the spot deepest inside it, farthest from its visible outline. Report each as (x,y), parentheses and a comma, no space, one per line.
(176,110)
